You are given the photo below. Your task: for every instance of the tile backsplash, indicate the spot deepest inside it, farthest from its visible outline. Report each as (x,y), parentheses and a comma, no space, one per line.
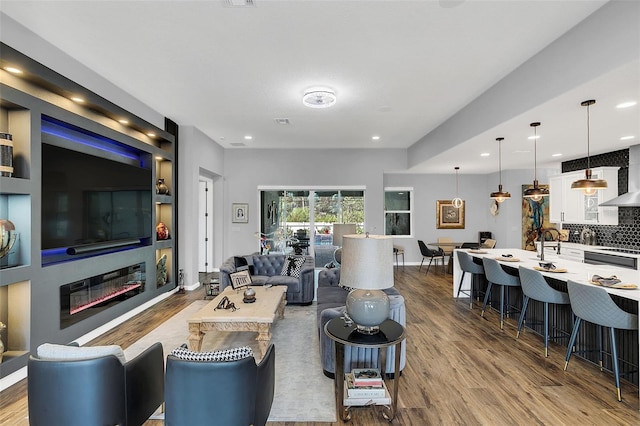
(627,233)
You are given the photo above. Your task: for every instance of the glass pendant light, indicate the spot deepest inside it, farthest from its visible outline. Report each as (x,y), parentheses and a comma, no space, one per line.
(500,195)
(457,202)
(587,185)
(536,193)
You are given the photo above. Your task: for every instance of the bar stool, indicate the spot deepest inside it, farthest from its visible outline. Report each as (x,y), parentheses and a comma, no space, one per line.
(496,275)
(535,287)
(397,252)
(593,304)
(468,265)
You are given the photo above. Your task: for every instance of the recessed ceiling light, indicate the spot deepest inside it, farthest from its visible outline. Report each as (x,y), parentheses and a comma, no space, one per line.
(13,70)
(123,121)
(627,138)
(248,137)
(375,138)
(77,99)
(159,158)
(151,134)
(485,154)
(533,137)
(319,98)
(557,154)
(626,104)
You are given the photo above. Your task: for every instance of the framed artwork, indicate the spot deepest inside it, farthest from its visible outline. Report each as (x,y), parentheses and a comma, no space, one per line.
(535,217)
(239,213)
(448,216)
(240,279)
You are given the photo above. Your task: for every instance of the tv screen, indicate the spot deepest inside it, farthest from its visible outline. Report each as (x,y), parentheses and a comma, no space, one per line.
(87,199)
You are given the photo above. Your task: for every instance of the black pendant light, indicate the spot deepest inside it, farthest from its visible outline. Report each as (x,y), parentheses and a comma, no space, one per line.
(536,193)
(500,195)
(587,185)
(457,202)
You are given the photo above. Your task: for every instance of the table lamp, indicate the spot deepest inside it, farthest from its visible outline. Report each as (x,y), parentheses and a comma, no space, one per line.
(367,268)
(339,231)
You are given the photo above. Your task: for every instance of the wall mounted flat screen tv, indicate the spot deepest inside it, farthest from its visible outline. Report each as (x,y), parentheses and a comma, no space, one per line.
(92,201)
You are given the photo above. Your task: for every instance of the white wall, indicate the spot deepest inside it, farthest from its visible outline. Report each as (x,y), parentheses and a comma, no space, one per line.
(247,169)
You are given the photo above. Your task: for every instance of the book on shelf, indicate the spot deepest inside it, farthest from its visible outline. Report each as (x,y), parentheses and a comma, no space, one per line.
(354,391)
(349,401)
(366,377)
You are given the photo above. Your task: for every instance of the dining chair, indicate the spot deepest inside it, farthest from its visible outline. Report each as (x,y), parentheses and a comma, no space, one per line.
(534,286)
(431,255)
(593,304)
(498,276)
(489,243)
(446,245)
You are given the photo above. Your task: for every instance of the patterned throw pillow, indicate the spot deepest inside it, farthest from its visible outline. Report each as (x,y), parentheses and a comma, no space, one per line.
(292,266)
(223,355)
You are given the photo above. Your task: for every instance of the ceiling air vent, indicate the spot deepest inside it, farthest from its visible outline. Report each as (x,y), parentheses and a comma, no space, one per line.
(283,121)
(237,144)
(238,3)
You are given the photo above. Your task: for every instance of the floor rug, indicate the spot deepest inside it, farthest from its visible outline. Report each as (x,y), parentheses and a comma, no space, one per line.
(302,392)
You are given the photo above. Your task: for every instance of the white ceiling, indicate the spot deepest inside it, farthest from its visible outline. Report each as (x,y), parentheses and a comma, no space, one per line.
(399,69)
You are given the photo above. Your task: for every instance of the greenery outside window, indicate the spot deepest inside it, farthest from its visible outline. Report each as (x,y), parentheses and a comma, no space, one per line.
(398,208)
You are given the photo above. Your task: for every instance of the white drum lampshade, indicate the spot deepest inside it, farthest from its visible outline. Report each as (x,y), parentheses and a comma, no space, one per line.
(367,268)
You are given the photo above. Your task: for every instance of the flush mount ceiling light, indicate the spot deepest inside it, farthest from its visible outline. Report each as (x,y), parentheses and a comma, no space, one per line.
(500,195)
(319,98)
(587,185)
(457,202)
(536,193)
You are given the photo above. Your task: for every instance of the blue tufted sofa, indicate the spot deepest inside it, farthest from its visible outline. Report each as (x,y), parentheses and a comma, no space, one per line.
(331,303)
(267,269)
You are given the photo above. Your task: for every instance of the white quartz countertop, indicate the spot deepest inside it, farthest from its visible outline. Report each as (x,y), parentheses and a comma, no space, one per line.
(576,271)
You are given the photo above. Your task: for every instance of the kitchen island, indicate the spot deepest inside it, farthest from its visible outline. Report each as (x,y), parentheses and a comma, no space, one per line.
(560,316)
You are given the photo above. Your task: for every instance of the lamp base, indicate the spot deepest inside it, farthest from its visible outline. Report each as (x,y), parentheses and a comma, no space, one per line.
(368,309)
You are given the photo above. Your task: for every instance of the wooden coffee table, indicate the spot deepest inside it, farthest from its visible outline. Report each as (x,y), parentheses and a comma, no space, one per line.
(255,317)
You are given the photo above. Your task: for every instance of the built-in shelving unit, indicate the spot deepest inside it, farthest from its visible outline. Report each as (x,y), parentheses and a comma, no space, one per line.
(30,288)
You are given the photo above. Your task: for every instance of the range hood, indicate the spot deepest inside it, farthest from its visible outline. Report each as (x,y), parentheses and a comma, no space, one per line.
(631,198)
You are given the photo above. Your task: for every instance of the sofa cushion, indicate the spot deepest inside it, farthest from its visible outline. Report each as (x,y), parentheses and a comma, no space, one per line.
(223,355)
(292,266)
(54,352)
(292,283)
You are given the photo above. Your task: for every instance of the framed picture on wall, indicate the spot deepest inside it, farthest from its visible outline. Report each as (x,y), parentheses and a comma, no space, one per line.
(240,213)
(448,216)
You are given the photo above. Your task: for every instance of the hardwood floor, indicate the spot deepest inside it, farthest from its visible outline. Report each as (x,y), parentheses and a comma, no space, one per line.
(461,369)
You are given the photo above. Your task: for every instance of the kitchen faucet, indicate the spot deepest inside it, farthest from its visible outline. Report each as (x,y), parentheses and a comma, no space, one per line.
(543,234)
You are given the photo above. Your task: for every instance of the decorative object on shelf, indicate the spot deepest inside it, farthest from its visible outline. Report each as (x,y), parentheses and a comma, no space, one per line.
(161,187)
(161,271)
(367,269)
(448,216)
(181,281)
(2,327)
(249,295)
(8,237)
(6,154)
(588,185)
(537,192)
(457,201)
(500,195)
(240,213)
(162,232)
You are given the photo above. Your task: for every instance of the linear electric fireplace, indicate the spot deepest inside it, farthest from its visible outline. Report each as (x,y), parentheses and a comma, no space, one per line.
(81,299)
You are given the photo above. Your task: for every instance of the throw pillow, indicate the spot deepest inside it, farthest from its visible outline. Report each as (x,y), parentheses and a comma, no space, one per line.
(224,355)
(53,352)
(292,266)
(242,264)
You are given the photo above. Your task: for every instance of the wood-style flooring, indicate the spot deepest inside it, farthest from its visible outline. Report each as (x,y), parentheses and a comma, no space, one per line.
(461,369)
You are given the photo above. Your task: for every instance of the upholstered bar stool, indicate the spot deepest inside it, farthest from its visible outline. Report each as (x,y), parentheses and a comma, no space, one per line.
(467,265)
(593,304)
(496,275)
(535,287)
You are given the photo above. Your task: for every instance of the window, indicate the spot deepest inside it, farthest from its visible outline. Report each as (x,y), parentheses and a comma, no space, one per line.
(398,205)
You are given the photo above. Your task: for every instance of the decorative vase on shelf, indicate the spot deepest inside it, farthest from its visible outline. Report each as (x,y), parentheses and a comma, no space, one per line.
(2,327)
(162,232)
(161,187)
(7,237)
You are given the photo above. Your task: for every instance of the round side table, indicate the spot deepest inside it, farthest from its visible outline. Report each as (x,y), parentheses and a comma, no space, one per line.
(345,333)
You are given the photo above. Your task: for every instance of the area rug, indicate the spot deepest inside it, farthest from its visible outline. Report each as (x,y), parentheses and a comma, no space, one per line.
(297,356)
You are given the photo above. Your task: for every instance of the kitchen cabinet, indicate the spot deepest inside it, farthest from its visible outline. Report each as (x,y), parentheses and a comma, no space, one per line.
(570,206)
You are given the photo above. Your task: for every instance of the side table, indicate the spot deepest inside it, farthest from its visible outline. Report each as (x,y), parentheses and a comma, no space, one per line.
(345,333)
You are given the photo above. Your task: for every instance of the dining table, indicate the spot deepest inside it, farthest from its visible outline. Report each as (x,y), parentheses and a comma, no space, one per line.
(448,247)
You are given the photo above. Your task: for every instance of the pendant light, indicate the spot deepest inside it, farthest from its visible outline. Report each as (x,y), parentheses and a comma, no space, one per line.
(500,195)
(457,202)
(536,193)
(587,185)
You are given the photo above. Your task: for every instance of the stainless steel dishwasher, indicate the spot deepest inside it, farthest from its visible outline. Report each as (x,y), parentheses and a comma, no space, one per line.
(615,257)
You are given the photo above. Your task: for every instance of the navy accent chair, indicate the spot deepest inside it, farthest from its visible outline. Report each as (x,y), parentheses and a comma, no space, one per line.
(593,304)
